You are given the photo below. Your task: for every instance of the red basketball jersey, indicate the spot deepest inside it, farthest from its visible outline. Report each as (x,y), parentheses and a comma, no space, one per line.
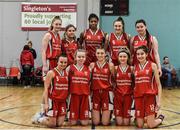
(58,89)
(79,80)
(54,47)
(123,80)
(101,76)
(137,42)
(69,47)
(115,43)
(144,80)
(92,41)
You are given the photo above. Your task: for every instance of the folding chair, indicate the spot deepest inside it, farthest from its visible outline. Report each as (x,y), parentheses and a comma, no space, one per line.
(14,72)
(3,75)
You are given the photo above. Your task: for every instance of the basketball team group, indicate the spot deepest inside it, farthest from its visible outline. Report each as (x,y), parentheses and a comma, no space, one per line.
(98,76)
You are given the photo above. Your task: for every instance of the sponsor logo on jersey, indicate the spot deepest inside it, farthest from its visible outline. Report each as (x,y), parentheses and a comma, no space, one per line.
(57,78)
(147,72)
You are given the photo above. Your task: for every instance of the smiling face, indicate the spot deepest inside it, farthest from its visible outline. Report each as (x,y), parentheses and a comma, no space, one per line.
(100,54)
(57,25)
(141,29)
(70,32)
(118,27)
(123,58)
(80,57)
(62,62)
(141,55)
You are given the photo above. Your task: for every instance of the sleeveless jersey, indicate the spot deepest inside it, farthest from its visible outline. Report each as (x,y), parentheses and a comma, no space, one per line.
(69,48)
(117,43)
(123,80)
(92,41)
(144,80)
(58,89)
(79,80)
(54,47)
(101,76)
(137,42)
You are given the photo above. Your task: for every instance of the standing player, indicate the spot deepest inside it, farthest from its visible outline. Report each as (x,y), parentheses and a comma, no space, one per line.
(146,104)
(69,43)
(79,76)
(123,90)
(144,38)
(118,39)
(101,86)
(92,38)
(51,45)
(55,93)
(51,50)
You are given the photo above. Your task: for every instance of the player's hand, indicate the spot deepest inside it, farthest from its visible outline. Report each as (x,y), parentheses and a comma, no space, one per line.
(158,106)
(45,69)
(46,108)
(160,72)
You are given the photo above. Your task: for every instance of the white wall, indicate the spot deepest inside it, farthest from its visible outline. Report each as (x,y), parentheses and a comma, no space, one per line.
(12,38)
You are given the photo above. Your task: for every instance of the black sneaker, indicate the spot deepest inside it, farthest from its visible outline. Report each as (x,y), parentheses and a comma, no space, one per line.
(161,117)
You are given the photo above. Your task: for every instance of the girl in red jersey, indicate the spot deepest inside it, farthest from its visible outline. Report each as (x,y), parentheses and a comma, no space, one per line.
(51,50)
(55,94)
(51,45)
(123,90)
(118,39)
(146,105)
(79,76)
(101,88)
(92,38)
(69,43)
(144,38)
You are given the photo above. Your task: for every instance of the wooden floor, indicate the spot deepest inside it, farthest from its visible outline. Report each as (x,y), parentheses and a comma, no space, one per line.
(18,105)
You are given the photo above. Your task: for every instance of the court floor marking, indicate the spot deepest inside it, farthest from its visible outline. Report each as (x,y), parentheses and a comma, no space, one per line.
(92,126)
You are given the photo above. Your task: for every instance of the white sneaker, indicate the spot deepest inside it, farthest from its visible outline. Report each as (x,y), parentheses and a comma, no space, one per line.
(25,87)
(41,120)
(36,117)
(28,86)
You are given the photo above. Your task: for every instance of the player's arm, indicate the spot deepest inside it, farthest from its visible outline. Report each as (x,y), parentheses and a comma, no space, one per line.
(156,54)
(156,74)
(50,75)
(45,42)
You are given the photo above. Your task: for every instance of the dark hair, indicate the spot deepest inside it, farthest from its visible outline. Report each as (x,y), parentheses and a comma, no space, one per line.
(54,19)
(165,57)
(29,42)
(92,15)
(127,51)
(100,47)
(26,47)
(67,27)
(144,48)
(62,55)
(120,19)
(149,44)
